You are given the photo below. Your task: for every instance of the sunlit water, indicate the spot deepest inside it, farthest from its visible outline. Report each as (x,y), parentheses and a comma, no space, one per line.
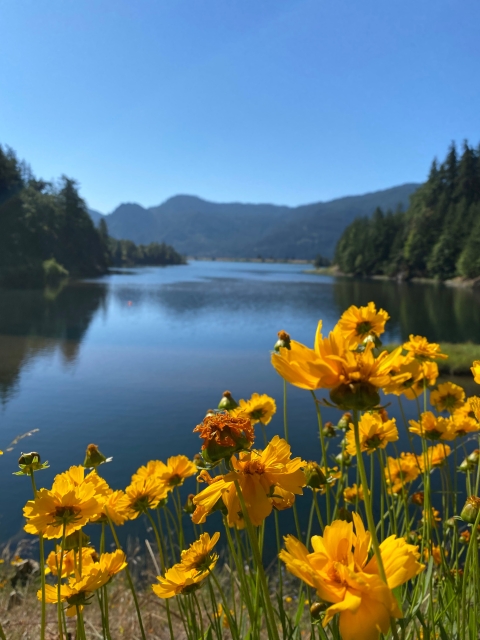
(132,361)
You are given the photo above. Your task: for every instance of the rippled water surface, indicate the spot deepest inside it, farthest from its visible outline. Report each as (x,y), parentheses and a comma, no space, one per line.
(132,361)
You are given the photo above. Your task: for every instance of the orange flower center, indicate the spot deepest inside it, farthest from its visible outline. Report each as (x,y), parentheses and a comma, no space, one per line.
(252,467)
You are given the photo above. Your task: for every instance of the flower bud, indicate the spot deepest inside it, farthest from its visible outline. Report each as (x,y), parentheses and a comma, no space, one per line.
(73,540)
(344,421)
(344,458)
(94,457)
(314,476)
(470,510)
(227,403)
(282,342)
(328,430)
(418,498)
(317,609)
(474,457)
(451,523)
(30,462)
(355,395)
(189,507)
(345,514)
(465,466)
(412,537)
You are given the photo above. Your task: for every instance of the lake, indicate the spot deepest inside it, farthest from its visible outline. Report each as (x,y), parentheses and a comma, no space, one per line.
(133,360)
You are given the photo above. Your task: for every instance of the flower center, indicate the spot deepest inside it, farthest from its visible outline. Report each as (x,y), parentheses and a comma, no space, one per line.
(175,480)
(252,467)
(373,442)
(363,328)
(66,515)
(257,414)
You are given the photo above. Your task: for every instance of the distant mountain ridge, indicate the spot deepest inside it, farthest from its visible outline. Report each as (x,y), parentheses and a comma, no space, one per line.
(200,228)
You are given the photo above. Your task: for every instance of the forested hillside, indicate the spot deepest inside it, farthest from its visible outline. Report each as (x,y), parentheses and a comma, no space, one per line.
(41,221)
(438,236)
(46,232)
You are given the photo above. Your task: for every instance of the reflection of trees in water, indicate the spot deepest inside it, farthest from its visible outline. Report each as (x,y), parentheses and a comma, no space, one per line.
(441,313)
(446,314)
(34,323)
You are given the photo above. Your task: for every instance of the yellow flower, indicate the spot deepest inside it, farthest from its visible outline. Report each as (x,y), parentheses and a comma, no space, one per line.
(354,377)
(357,323)
(476,371)
(474,405)
(260,408)
(179,580)
(432,427)
(374,433)
(340,571)
(69,560)
(400,471)
(116,507)
(80,589)
(447,397)
(415,376)
(422,350)
(435,456)
(199,555)
(436,554)
(65,506)
(172,474)
(259,474)
(143,495)
(462,420)
(351,494)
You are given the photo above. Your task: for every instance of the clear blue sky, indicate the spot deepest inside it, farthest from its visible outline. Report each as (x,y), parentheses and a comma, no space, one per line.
(284,101)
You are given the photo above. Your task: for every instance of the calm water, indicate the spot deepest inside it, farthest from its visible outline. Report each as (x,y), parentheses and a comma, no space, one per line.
(131,362)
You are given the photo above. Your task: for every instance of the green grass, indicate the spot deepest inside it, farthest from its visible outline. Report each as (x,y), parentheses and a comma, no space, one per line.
(460,357)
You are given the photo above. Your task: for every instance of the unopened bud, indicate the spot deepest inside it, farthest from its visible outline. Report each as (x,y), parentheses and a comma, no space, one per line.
(451,523)
(329,430)
(470,510)
(94,457)
(474,457)
(317,609)
(30,462)
(344,458)
(73,540)
(189,507)
(282,342)
(227,403)
(344,421)
(418,498)
(314,476)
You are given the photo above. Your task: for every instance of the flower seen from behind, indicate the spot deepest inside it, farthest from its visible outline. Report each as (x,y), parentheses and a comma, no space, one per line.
(432,427)
(447,397)
(401,471)
(423,350)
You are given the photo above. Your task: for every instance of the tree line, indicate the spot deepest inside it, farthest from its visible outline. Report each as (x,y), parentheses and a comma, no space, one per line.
(46,231)
(437,237)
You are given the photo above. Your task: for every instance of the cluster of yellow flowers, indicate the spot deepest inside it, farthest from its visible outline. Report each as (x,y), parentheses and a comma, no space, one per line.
(353,574)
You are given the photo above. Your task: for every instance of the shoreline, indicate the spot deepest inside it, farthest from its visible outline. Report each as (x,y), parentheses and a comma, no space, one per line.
(457,282)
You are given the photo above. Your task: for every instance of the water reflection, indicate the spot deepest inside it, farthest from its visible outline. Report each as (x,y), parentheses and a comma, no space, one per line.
(39,323)
(443,314)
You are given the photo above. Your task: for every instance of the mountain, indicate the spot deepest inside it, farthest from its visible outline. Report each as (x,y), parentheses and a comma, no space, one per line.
(200,228)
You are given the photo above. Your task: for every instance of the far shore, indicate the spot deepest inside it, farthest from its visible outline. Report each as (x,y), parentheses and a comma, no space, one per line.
(459,282)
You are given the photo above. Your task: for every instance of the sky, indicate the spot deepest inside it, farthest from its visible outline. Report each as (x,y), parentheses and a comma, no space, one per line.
(282,101)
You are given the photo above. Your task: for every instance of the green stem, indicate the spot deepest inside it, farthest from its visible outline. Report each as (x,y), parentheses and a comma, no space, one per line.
(324,453)
(42,568)
(285,419)
(159,545)
(129,579)
(258,560)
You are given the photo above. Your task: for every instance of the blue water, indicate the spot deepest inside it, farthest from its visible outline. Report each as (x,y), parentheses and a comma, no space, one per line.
(132,361)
